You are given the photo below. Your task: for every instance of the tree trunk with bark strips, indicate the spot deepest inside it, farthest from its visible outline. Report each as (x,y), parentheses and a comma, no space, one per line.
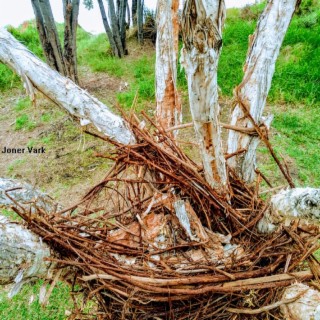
(140,8)
(169,113)
(251,94)
(202,24)
(134,8)
(48,34)
(115,28)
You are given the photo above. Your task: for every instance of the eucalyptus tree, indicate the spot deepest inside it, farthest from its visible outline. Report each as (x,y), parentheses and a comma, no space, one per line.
(202,26)
(114,22)
(63,60)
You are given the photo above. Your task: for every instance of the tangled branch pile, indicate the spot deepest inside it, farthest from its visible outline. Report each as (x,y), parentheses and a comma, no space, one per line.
(154,241)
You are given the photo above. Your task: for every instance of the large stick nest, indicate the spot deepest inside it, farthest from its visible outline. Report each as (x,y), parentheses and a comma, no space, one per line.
(154,241)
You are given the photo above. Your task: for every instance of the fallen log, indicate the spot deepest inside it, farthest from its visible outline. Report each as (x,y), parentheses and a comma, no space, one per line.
(22,252)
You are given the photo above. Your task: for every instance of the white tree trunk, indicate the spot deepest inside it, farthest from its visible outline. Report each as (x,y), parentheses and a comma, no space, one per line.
(202,24)
(297,203)
(252,93)
(62,91)
(168,102)
(22,253)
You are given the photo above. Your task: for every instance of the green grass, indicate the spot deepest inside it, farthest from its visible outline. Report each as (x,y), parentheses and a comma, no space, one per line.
(142,83)
(295,86)
(24,122)
(94,51)
(10,214)
(297,76)
(22,307)
(299,137)
(15,164)
(296,139)
(23,119)
(22,104)
(46,117)
(8,79)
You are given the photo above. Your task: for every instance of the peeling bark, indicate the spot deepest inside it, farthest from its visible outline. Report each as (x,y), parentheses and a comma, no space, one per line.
(202,24)
(62,91)
(168,102)
(22,253)
(298,203)
(14,193)
(251,94)
(307,307)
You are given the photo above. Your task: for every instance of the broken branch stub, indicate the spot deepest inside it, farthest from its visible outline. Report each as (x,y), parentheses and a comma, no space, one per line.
(251,94)
(202,23)
(62,91)
(302,204)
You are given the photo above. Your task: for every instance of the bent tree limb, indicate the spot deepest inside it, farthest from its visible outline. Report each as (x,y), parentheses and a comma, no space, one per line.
(251,94)
(202,24)
(62,91)
(22,252)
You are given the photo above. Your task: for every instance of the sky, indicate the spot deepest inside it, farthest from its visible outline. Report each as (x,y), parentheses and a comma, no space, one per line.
(14,12)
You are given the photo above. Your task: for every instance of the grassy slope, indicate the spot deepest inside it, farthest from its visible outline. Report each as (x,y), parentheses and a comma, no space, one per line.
(294,99)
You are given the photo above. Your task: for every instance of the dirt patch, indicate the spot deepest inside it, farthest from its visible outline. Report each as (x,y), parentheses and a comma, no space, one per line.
(101,85)
(65,166)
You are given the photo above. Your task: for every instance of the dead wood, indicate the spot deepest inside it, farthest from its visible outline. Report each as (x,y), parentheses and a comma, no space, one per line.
(154,240)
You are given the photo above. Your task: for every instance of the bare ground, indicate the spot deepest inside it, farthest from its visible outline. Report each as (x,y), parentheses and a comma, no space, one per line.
(68,168)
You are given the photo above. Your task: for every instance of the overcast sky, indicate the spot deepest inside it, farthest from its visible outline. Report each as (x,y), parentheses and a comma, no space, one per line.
(14,12)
